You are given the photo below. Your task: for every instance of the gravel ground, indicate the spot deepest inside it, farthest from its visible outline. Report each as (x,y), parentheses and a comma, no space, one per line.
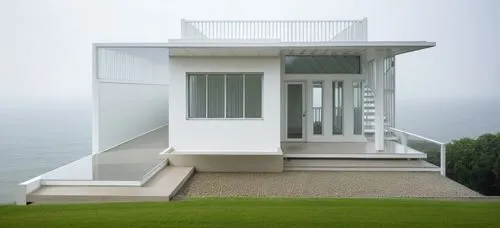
(324,184)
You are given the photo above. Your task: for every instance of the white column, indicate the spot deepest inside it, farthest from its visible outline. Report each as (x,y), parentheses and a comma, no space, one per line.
(379,103)
(95,96)
(328,108)
(348,109)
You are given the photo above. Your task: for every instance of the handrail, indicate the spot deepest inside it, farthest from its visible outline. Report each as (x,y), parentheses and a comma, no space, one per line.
(415,135)
(404,141)
(283,30)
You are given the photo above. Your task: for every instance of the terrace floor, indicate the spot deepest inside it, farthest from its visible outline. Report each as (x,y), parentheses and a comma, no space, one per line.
(129,164)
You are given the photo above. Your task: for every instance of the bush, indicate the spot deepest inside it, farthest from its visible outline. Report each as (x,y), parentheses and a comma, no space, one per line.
(474,163)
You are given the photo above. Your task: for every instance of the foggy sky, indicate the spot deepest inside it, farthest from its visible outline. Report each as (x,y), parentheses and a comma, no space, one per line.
(45,46)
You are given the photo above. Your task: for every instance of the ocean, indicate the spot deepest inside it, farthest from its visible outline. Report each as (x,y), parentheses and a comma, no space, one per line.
(38,137)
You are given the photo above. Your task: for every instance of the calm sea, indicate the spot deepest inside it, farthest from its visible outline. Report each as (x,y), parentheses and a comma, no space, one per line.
(38,137)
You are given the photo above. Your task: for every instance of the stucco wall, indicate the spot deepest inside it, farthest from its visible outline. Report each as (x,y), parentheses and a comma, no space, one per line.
(247,135)
(130,94)
(128,110)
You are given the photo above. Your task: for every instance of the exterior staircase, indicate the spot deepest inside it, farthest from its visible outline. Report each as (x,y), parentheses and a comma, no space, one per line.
(369,112)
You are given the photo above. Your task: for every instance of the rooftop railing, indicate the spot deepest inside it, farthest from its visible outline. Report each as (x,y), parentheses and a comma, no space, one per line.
(284,31)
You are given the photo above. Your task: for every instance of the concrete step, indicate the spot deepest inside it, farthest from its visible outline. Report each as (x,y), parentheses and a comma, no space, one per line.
(358,165)
(162,187)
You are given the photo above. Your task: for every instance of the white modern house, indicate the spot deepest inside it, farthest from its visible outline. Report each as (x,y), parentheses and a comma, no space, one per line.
(249,96)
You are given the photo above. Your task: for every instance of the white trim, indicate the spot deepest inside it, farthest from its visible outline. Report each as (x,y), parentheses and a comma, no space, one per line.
(379,103)
(164,154)
(151,173)
(95,102)
(354,155)
(131,82)
(32,184)
(90,183)
(304,111)
(271,43)
(135,137)
(225,152)
(361,169)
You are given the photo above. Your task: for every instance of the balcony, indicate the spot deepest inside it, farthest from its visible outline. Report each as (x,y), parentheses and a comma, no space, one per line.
(282,31)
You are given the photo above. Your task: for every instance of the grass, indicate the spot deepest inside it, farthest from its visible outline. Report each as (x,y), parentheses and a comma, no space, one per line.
(250,212)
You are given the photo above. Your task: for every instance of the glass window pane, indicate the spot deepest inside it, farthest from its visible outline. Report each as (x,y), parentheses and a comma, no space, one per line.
(331,64)
(357,87)
(215,94)
(295,111)
(234,91)
(318,108)
(338,107)
(253,95)
(197,96)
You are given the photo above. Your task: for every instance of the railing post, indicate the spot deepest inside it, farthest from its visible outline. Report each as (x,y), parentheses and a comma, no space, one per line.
(404,141)
(443,159)
(183,28)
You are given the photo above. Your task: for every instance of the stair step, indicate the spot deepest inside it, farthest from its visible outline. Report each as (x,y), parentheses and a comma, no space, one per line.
(358,165)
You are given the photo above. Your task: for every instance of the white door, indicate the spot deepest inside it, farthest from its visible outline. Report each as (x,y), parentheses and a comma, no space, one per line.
(295,111)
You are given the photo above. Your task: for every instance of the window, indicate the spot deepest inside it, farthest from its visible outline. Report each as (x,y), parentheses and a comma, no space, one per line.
(338,107)
(224,95)
(323,64)
(317,108)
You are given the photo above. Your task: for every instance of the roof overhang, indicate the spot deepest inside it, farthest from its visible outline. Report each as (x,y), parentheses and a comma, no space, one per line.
(276,48)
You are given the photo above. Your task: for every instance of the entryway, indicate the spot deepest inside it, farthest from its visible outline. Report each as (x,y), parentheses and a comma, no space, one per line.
(323,108)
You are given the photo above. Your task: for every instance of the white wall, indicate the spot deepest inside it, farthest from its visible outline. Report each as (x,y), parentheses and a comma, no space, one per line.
(261,135)
(130,94)
(128,110)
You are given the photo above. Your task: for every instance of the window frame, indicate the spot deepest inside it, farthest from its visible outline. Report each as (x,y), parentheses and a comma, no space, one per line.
(207,74)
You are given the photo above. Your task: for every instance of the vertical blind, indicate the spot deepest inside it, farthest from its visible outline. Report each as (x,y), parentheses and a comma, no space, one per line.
(225,95)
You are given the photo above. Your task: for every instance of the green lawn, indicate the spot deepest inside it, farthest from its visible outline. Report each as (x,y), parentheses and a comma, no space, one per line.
(248,212)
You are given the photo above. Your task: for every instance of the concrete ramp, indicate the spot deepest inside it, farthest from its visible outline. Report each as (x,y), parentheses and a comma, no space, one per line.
(162,187)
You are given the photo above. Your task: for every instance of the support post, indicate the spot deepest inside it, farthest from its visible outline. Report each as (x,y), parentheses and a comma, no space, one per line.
(404,141)
(379,103)
(443,159)
(95,100)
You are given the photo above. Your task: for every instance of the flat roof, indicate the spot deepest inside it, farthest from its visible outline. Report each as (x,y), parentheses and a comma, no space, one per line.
(183,47)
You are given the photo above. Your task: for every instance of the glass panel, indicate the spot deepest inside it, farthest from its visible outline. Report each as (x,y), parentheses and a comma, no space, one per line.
(318,108)
(215,96)
(338,107)
(294,112)
(197,96)
(357,87)
(234,91)
(253,95)
(335,64)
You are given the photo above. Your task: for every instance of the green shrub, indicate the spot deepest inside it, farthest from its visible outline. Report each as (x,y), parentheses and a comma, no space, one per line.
(474,163)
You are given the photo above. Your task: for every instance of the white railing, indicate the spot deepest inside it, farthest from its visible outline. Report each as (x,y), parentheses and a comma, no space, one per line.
(403,135)
(284,31)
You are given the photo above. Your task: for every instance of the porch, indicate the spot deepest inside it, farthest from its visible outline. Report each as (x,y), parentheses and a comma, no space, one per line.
(353,150)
